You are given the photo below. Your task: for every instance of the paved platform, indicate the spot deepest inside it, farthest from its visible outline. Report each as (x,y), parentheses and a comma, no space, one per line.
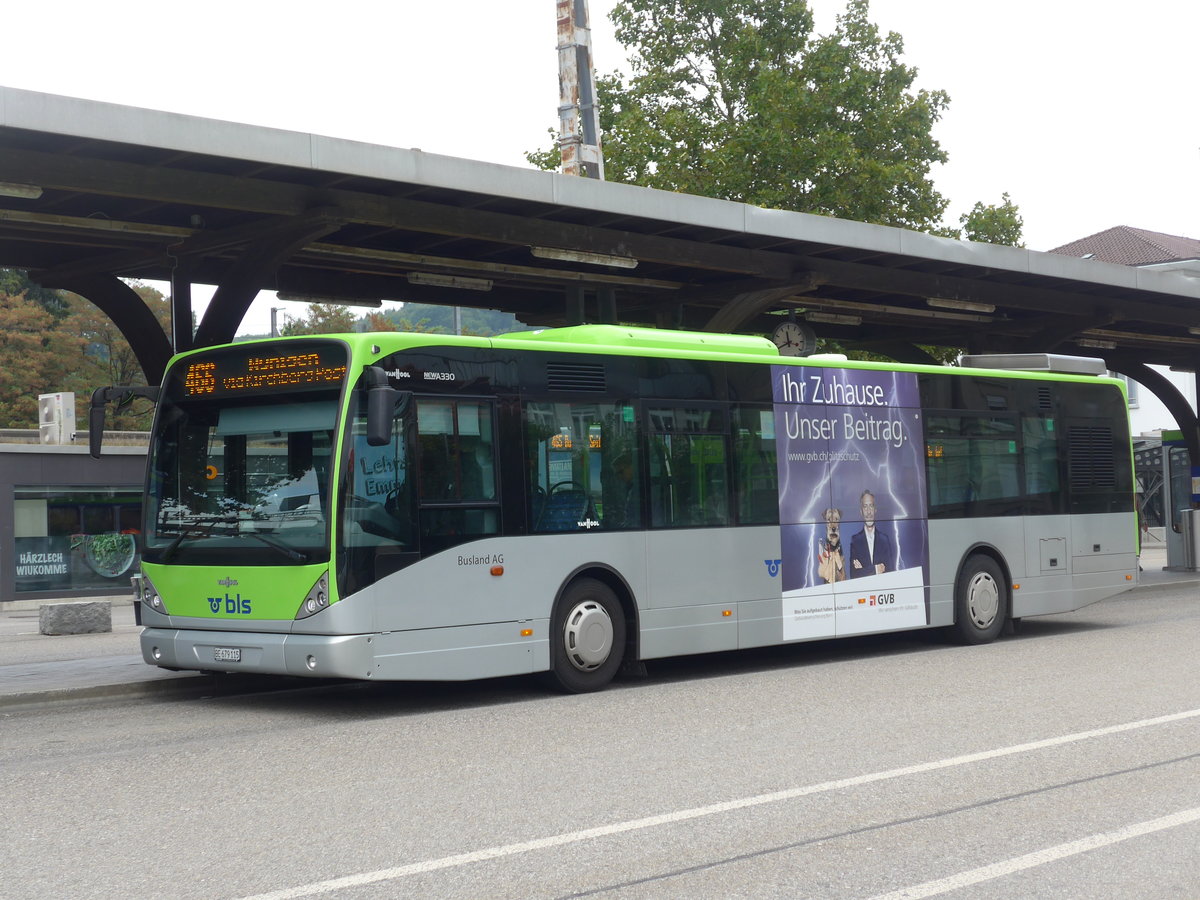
(37,669)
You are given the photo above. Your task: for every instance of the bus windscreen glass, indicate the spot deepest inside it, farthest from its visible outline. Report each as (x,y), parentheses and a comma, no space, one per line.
(242,453)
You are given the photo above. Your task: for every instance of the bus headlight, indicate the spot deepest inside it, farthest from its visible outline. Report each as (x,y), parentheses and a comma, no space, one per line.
(148,594)
(317,598)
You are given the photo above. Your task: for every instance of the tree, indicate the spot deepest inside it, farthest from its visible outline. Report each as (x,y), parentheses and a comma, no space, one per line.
(993,224)
(322,318)
(105,357)
(738,99)
(434,319)
(31,355)
(15,281)
(378,321)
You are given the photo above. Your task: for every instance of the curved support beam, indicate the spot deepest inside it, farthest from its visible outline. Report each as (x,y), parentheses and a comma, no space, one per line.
(1055,330)
(743,307)
(1172,399)
(129,313)
(241,283)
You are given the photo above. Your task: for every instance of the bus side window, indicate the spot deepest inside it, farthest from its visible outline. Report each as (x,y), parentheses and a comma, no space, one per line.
(457,471)
(756,473)
(972,464)
(689,483)
(377,495)
(583,466)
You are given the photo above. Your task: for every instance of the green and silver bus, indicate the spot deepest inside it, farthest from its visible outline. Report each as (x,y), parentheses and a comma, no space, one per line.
(431,507)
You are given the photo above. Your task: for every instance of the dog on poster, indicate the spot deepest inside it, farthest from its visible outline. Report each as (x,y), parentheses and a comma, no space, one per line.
(831,562)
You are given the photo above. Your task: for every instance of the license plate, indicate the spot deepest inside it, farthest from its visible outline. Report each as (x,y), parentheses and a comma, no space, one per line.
(227,654)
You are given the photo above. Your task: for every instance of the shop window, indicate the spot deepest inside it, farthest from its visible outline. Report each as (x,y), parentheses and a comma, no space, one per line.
(71,538)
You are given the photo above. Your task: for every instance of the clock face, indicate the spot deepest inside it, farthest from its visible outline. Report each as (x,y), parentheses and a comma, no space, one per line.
(794,339)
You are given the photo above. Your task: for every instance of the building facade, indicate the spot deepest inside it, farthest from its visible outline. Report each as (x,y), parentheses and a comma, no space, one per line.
(68,523)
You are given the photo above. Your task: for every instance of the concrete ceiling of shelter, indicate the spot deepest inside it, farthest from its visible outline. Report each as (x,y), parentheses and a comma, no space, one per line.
(109,208)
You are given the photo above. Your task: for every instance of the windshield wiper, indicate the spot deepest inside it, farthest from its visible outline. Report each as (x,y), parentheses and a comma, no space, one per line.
(194,529)
(289,552)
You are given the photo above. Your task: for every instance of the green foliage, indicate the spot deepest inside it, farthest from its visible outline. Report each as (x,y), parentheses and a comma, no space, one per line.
(107,357)
(944,355)
(31,352)
(15,281)
(414,317)
(993,224)
(321,318)
(77,348)
(425,317)
(377,321)
(739,99)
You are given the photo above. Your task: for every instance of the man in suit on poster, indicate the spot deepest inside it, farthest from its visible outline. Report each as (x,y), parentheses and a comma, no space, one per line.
(872,551)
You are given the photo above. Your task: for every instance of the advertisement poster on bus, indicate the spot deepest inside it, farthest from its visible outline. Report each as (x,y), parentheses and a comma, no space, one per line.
(852,501)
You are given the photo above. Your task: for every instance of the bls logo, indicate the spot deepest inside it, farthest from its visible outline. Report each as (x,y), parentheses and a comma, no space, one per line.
(233,606)
(773,566)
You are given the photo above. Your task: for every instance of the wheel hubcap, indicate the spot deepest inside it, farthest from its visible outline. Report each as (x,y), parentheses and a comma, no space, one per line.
(983,600)
(588,635)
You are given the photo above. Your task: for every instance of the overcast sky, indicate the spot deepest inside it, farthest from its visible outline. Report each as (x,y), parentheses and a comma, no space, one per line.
(1083,112)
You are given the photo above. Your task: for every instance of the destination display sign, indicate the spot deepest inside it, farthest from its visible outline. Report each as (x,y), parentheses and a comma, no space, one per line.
(262,370)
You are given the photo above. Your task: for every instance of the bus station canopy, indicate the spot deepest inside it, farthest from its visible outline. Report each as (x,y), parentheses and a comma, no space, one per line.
(92,193)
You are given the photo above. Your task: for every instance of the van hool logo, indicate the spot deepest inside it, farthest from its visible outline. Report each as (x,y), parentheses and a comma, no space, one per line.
(773,566)
(227,582)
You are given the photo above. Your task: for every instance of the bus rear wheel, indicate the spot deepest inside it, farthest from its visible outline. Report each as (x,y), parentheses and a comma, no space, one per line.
(980,601)
(587,637)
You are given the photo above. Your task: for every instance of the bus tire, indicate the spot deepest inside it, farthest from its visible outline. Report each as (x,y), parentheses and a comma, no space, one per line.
(980,600)
(587,637)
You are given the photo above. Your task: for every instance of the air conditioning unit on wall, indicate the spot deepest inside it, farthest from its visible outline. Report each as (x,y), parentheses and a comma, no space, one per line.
(56,417)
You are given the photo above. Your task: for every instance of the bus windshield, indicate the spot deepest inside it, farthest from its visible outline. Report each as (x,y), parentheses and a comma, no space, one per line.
(242,471)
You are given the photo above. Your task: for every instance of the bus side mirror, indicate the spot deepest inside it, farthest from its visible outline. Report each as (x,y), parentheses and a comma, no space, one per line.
(384,403)
(96,420)
(101,397)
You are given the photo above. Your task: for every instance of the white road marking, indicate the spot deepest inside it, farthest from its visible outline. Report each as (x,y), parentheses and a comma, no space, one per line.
(1041,857)
(683,815)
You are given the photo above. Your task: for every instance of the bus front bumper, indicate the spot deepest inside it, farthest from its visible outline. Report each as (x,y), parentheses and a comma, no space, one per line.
(459,653)
(311,655)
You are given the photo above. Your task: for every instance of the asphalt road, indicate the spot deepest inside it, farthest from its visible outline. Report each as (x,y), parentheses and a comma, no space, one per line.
(1061,762)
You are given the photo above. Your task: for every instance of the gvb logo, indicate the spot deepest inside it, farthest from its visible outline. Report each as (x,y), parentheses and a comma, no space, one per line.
(231,606)
(773,566)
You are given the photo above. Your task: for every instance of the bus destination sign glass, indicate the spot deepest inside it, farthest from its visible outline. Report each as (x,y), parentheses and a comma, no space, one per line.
(263,371)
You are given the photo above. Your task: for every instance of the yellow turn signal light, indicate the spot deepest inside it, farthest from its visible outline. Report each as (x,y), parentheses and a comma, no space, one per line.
(497,570)
(727,612)
(526,632)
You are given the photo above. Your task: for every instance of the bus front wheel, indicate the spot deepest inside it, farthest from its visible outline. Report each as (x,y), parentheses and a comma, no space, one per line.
(980,601)
(587,637)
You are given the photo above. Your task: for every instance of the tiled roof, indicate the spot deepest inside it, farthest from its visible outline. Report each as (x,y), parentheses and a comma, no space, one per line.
(1133,247)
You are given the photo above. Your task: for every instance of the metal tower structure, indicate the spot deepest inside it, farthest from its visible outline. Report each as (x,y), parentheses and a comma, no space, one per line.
(578,116)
